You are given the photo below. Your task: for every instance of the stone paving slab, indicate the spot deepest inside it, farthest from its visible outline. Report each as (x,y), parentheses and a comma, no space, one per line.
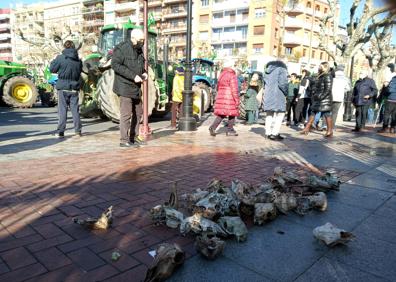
(45,183)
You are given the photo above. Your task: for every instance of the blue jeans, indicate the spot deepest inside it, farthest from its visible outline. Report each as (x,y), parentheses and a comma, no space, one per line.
(68,98)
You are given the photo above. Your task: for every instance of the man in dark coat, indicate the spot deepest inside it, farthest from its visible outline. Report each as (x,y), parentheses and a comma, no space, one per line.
(363,93)
(68,67)
(389,93)
(128,65)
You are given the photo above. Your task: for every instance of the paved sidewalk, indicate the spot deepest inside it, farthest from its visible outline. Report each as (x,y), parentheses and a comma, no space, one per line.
(45,182)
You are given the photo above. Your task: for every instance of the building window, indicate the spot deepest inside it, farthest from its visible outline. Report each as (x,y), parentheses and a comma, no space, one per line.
(204,3)
(313,54)
(260,13)
(242,32)
(325,11)
(276,33)
(321,55)
(258,48)
(204,18)
(309,5)
(304,52)
(259,30)
(253,65)
(317,8)
(203,35)
(288,51)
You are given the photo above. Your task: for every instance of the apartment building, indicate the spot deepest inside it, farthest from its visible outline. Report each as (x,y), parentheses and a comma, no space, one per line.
(5,35)
(301,32)
(93,15)
(121,11)
(28,19)
(61,14)
(245,29)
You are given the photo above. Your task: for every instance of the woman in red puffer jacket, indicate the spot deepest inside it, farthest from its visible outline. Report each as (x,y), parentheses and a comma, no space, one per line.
(227,100)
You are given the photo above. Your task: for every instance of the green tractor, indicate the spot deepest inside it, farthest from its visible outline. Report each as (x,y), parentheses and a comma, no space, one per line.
(97,97)
(17,88)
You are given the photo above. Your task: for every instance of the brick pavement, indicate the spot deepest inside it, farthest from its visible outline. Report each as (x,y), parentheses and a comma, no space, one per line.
(40,195)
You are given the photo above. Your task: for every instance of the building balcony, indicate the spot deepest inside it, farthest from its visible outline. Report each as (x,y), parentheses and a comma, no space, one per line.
(225,22)
(174,1)
(4,16)
(5,36)
(232,37)
(174,29)
(152,4)
(133,19)
(92,10)
(178,43)
(291,39)
(5,46)
(294,23)
(90,2)
(5,56)
(127,6)
(231,5)
(94,23)
(296,10)
(172,15)
(5,26)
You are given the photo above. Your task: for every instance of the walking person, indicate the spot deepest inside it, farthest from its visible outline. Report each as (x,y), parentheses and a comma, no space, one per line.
(341,85)
(252,105)
(363,93)
(128,65)
(322,100)
(390,108)
(68,66)
(292,94)
(227,99)
(303,98)
(177,95)
(274,102)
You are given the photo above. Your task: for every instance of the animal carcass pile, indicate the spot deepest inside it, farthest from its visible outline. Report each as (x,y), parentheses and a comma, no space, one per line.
(216,212)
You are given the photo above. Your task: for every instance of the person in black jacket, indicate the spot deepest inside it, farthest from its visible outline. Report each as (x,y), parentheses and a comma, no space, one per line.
(363,93)
(68,67)
(128,65)
(322,99)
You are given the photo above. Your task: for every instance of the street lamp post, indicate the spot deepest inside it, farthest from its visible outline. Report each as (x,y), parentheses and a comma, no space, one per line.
(146,129)
(187,121)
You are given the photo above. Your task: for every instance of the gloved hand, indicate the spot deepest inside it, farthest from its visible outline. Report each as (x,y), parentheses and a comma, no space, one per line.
(144,76)
(138,79)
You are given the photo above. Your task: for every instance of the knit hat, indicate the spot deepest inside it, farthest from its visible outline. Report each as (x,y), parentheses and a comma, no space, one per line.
(392,67)
(180,69)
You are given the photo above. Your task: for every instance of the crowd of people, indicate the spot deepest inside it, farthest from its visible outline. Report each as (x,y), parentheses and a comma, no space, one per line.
(303,99)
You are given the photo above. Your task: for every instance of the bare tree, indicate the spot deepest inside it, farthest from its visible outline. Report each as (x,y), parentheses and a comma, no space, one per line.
(360,29)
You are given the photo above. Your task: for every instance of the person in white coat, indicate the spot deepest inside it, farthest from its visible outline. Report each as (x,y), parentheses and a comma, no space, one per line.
(341,85)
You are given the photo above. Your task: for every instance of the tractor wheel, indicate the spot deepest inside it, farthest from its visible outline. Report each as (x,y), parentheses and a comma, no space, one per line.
(108,101)
(19,92)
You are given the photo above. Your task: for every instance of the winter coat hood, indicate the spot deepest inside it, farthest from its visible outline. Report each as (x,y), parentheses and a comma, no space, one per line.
(273,65)
(71,53)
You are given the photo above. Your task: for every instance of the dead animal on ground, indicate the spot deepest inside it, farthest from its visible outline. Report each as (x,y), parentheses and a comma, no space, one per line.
(285,202)
(103,222)
(158,214)
(264,212)
(324,183)
(209,245)
(289,176)
(215,185)
(316,201)
(173,217)
(234,226)
(331,235)
(168,257)
(198,224)
(195,196)
(174,197)
(245,193)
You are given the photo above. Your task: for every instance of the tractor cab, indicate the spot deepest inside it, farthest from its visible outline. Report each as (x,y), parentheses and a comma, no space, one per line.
(112,35)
